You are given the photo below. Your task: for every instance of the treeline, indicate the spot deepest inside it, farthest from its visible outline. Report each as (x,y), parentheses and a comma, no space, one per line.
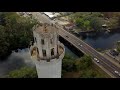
(118,46)
(88,20)
(84,66)
(95,20)
(15,32)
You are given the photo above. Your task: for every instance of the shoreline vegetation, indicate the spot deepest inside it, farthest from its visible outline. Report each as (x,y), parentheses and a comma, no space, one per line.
(95,21)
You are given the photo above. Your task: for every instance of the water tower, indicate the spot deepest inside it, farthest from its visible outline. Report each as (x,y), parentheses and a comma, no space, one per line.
(47,52)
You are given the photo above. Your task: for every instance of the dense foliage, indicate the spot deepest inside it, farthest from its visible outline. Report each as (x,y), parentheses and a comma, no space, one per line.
(88,20)
(95,20)
(69,64)
(118,46)
(16,32)
(24,72)
(83,65)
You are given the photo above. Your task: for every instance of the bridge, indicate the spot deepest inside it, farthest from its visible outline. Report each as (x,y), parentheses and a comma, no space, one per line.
(104,63)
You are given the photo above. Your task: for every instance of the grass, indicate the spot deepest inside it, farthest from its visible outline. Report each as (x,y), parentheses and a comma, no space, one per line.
(71,75)
(101,73)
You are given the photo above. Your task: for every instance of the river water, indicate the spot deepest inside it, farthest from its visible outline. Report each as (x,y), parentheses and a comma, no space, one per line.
(103,40)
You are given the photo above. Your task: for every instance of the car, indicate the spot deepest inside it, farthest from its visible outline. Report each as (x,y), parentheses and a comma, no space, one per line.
(116,72)
(96,60)
(80,44)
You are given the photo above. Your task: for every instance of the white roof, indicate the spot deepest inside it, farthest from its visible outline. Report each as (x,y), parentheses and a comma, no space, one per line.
(50,14)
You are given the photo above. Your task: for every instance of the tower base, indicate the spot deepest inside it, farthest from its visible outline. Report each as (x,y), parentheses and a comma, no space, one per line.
(50,69)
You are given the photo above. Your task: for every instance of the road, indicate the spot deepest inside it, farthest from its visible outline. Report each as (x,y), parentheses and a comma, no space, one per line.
(104,63)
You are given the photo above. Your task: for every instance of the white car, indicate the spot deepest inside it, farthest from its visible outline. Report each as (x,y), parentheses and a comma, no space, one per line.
(96,60)
(116,72)
(80,44)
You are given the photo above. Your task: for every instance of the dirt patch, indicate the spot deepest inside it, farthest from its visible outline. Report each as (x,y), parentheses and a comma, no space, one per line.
(71,75)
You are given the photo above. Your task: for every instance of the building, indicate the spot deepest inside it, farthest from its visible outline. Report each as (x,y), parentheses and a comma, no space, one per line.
(51,15)
(47,52)
(114,52)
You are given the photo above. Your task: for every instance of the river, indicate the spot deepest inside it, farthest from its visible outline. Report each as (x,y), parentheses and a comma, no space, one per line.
(70,53)
(102,40)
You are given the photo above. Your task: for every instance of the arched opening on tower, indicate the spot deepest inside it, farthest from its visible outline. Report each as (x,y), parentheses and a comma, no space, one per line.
(35,52)
(35,40)
(52,52)
(42,41)
(44,52)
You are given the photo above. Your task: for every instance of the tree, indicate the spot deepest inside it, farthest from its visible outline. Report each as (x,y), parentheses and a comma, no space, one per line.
(16,32)
(4,45)
(86,61)
(96,23)
(24,72)
(70,64)
(88,20)
(87,25)
(88,74)
(79,22)
(67,65)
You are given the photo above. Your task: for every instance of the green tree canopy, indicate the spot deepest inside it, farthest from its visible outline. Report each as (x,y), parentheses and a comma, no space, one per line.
(24,72)
(16,32)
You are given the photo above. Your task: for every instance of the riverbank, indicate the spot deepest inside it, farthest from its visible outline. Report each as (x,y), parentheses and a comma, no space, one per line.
(101,40)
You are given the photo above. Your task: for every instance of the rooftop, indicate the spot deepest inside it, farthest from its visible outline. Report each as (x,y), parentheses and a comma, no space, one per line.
(51,14)
(45,29)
